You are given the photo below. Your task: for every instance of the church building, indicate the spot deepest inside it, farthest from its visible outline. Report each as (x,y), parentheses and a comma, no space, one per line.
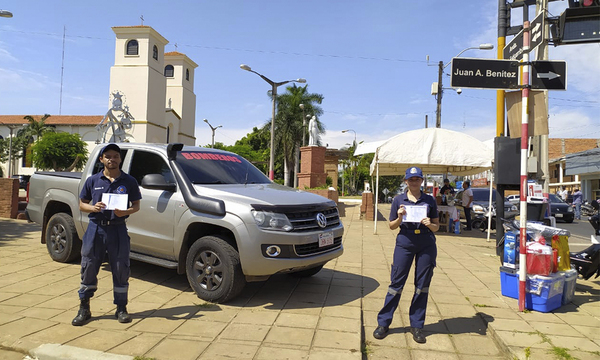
(154,87)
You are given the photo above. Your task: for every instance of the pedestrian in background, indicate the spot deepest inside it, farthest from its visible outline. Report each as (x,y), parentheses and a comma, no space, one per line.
(106,233)
(577,200)
(467,202)
(415,241)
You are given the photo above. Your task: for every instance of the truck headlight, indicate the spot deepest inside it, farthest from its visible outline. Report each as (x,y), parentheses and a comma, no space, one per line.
(271,221)
(570,209)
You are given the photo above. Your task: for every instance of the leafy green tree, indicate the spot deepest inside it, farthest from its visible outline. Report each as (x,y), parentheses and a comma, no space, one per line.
(289,128)
(18,144)
(35,128)
(59,152)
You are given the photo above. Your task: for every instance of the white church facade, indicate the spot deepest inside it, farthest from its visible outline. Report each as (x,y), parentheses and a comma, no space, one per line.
(155,87)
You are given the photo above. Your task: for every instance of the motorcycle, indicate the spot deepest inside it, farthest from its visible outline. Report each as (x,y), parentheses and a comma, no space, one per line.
(587,261)
(587,209)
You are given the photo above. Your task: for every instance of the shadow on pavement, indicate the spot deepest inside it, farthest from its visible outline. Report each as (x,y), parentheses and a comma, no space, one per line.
(462,325)
(16,229)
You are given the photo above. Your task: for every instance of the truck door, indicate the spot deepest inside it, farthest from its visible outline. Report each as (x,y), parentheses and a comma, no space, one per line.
(152,228)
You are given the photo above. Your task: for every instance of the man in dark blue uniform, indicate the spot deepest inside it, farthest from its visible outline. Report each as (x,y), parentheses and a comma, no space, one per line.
(106,233)
(416,214)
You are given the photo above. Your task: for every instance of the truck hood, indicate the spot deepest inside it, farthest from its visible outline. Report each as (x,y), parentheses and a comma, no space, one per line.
(265,194)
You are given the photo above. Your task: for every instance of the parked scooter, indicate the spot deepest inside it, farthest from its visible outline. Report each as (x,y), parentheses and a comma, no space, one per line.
(587,209)
(587,261)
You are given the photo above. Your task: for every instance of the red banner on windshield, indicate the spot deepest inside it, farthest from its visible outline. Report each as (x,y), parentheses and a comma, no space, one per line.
(209,156)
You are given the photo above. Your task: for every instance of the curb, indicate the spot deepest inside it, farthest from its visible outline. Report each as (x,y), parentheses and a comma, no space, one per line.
(66,352)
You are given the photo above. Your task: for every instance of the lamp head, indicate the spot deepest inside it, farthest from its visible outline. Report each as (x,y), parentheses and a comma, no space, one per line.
(206,121)
(301,106)
(486,46)
(301,80)
(459,91)
(6,14)
(245,67)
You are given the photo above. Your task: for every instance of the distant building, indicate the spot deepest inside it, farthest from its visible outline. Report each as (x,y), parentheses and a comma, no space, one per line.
(157,87)
(559,151)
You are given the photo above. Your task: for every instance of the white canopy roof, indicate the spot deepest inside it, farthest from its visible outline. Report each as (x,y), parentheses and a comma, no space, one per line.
(435,151)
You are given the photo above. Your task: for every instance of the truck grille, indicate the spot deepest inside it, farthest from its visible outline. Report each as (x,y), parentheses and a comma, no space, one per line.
(313,248)
(307,220)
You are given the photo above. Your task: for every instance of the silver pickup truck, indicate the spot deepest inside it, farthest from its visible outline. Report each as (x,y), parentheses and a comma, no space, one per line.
(207,213)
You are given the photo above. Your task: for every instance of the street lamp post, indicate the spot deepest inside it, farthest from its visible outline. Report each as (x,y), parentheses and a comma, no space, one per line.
(213,132)
(440,89)
(274,86)
(352,165)
(11,128)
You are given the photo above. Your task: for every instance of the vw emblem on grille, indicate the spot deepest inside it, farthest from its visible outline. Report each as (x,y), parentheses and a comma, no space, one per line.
(321,220)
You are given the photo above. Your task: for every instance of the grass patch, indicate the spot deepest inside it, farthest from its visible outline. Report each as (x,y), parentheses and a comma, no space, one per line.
(467,298)
(366,348)
(481,305)
(143,358)
(205,305)
(562,353)
(527,352)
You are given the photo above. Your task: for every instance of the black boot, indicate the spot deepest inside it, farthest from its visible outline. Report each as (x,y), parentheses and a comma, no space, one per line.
(84,314)
(122,314)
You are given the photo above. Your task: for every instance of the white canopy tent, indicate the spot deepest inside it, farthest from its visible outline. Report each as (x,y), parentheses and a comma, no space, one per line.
(435,151)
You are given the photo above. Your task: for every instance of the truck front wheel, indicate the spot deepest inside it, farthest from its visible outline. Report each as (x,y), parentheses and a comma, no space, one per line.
(61,238)
(213,269)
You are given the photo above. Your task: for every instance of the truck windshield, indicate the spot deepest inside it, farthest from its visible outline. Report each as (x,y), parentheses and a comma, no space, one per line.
(203,167)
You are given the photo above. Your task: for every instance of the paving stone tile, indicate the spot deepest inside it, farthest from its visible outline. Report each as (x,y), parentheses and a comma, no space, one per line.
(156,325)
(101,340)
(554,328)
(511,324)
(340,324)
(138,345)
(520,339)
(475,344)
(176,349)
(577,343)
(297,320)
(289,335)
(337,340)
(247,332)
(346,311)
(388,352)
(270,353)
(218,350)
(332,354)
(432,355)
(206,330)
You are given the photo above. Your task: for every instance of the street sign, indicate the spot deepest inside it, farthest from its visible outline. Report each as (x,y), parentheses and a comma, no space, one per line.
(514,49)
(549,75)
(484,73)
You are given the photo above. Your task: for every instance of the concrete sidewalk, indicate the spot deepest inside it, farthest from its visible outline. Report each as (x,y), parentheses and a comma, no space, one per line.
(329,316)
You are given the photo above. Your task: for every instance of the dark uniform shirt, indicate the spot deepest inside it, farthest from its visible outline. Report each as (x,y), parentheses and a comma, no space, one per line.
(425,199)
(98,184)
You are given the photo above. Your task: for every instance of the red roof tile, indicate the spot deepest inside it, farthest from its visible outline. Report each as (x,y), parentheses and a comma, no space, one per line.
(83,120)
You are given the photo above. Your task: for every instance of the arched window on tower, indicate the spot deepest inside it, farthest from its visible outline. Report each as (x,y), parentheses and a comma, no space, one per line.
(169,71)
(132,47)
(187,74)
(155,52)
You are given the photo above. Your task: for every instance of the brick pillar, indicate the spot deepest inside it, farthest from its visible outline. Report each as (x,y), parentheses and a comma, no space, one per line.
(367,206)
(312,172)
(9,198)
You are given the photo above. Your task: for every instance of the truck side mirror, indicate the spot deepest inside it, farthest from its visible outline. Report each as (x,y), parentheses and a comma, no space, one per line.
(157,182)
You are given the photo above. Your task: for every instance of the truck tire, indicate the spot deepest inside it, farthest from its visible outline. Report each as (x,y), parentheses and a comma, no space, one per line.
(213,269)
(307,273)
(62,241)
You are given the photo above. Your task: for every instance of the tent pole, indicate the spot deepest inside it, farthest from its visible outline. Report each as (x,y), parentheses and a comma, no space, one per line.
(489,229)
(376,202)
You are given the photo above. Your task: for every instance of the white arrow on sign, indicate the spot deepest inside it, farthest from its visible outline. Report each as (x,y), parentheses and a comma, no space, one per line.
(549,75)
(536,31)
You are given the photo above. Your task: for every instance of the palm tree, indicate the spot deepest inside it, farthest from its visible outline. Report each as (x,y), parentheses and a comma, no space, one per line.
(36,128)
(289,123)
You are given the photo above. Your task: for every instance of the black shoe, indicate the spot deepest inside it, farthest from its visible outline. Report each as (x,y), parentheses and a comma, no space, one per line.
(83,315)
(418,335)
(122,315)
(380,332)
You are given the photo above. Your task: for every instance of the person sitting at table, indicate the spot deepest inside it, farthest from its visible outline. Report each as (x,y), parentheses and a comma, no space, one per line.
(447,186)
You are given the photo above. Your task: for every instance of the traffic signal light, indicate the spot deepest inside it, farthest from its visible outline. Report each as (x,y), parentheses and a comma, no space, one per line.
(580,23)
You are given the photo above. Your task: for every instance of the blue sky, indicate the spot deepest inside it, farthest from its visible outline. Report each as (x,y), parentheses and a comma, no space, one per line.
(368,59)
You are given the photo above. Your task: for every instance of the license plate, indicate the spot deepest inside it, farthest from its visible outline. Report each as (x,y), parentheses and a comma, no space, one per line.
(325,239)
(558,215)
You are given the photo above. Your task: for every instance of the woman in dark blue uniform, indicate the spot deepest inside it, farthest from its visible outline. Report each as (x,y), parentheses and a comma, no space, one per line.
(416,240)
(106,233)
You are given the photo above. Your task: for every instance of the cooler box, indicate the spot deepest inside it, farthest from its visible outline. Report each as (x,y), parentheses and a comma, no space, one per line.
(544,293)
(570,282)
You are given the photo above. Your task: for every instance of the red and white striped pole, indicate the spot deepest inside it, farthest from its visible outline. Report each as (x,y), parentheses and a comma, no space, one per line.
(524,150)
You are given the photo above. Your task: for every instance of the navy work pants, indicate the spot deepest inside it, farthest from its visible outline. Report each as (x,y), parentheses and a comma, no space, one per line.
(468,217)
(421,248)
(97,241)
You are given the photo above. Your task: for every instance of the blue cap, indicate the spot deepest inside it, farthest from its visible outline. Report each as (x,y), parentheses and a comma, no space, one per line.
(412,172)
(114,147)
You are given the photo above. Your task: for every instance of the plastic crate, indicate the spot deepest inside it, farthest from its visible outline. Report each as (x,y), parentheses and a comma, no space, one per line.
(543,293)
(569,288)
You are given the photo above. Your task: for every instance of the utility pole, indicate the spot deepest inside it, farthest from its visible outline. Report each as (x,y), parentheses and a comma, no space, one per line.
(438,112)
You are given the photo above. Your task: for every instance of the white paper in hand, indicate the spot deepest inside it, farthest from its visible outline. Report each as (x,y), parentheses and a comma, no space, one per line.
(115,201)
(415,213)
